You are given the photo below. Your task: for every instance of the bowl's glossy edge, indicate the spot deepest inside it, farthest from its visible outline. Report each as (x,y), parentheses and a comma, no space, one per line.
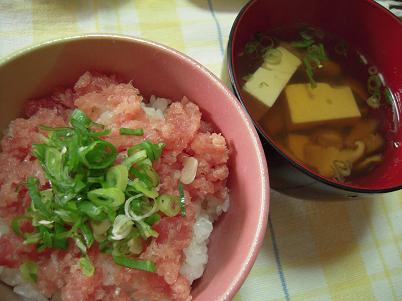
(264,178)
(273,145)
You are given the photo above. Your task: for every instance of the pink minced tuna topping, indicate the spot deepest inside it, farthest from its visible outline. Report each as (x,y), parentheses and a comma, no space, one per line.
(105,100)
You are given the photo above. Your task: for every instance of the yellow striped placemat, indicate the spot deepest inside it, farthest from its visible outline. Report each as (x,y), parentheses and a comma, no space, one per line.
(313,251)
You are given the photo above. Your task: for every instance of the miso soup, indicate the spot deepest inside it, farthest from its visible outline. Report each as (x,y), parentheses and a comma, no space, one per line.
(317,98)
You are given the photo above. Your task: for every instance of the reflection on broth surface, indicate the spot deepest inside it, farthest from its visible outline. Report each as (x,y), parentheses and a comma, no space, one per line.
(317,98)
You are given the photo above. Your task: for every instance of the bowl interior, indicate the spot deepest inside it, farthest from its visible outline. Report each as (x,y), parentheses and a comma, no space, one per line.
(363,24)
(157,70)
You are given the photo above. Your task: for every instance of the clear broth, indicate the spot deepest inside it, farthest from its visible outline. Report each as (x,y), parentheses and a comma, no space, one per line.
(345,67)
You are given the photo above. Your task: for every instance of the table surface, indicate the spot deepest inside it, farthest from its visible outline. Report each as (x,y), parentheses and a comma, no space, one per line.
(313,250)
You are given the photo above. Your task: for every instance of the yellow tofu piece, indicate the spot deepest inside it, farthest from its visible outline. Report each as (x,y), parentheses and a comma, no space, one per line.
(323,104)
(296,144)
(268,81)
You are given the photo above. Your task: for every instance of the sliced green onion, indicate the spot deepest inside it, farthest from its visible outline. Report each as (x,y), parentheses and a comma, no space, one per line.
(273,56)
(152,219)
(54,163)
(145,230)
(168,204)
(144,265)
(98,155)
(33,189)
(87,235)
(142,176)
(135,245)
(79,119)
(373,101)
(86,266)
(117,176)
(309,72)
(251,47)
(100,229)
(158,149)
(39,151)
(113,197)
(134,132)
(29,271)
(372,70)
(91,210)
(373,84)
(152,174)
(153,151)
(61,130)
(80,244)
(135,158)
(47,237)
(121,227)
(120,248)
(45,223)
(101,133)
(58,241)
(110,212)
(130,214)
(106,246)
(32,238)
(67,216)
(16,224)
(142,188)
(47,196)
(315,54)
(182,199)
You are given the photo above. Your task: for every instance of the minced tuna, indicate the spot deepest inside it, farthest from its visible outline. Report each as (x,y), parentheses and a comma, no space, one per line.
(114,104)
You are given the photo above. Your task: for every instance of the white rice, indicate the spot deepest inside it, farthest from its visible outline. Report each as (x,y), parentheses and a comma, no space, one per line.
(156,107)
(196,254)
(25,290)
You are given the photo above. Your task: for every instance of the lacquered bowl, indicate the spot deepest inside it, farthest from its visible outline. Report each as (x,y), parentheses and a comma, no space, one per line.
(159,70)
(365,25)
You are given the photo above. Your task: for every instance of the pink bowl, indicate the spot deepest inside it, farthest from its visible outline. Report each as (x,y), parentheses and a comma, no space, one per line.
(158,70)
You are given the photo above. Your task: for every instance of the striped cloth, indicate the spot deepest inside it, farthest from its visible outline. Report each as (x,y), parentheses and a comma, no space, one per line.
(313,250)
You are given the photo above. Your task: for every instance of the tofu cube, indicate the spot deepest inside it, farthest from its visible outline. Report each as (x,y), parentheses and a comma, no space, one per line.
(269,80)
(323,104)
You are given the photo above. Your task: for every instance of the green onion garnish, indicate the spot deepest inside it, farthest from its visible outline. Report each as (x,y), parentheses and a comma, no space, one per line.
(315,54)
(134,132)
(29,271)
(93,199)
(144,265)
(168,204)
(16,224)
(86,266)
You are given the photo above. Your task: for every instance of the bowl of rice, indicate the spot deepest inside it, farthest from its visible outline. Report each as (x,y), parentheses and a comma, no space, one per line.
(128,172)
